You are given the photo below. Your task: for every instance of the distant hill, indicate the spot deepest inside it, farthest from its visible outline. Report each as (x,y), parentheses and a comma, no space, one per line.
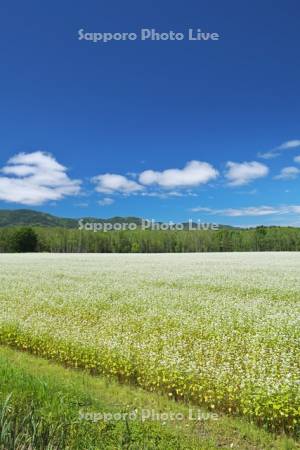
(27,217)
(21,217)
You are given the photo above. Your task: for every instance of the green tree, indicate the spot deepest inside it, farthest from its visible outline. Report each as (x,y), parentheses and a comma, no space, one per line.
(135,247)
(260,237)
(24,240)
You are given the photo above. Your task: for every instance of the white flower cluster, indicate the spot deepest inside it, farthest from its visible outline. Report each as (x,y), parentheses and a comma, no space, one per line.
(219,330)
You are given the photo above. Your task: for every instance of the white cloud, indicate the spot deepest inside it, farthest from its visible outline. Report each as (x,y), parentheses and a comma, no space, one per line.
(297,159)
(193,174)
(35,178)
(204,209)
(110,183)
(288,173)
(239,174)
(106,201)
(268,155)
(166,194)
(251,211)
(288,145)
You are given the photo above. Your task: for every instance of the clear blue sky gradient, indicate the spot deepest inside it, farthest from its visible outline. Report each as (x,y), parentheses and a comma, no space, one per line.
(124,107)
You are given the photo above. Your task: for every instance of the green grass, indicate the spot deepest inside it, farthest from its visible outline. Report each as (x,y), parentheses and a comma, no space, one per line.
(41,403)
(220,331)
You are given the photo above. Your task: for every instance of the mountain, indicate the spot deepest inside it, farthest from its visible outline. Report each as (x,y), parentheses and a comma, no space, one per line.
(21,217)
(27,217)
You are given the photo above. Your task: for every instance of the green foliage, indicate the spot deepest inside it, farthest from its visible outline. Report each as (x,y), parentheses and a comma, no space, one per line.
(42,412)
(59,235)
(62,240)
(41,404)
(23,240)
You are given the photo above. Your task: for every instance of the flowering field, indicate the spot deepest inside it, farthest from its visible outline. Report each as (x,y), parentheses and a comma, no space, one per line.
(218,330)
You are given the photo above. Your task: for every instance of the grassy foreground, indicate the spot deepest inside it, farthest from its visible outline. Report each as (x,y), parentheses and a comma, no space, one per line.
(44,406)
(221,331)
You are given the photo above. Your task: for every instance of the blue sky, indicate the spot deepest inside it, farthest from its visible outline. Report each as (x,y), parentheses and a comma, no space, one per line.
(169,130)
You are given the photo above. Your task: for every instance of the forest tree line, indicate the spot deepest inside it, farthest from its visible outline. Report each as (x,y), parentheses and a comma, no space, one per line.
(62,240)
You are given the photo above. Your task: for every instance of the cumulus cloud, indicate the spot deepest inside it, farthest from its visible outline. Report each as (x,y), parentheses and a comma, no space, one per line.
(251,211)
(288,173)
(297,159)
(111,183)
(239,174)
(288,145)
(35,178)
(106,201)
(193,174)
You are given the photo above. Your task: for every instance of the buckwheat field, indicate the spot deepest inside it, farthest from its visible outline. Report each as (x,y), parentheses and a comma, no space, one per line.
(217,330)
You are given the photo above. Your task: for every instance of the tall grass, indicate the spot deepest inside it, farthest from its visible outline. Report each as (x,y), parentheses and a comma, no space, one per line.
(41,413)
